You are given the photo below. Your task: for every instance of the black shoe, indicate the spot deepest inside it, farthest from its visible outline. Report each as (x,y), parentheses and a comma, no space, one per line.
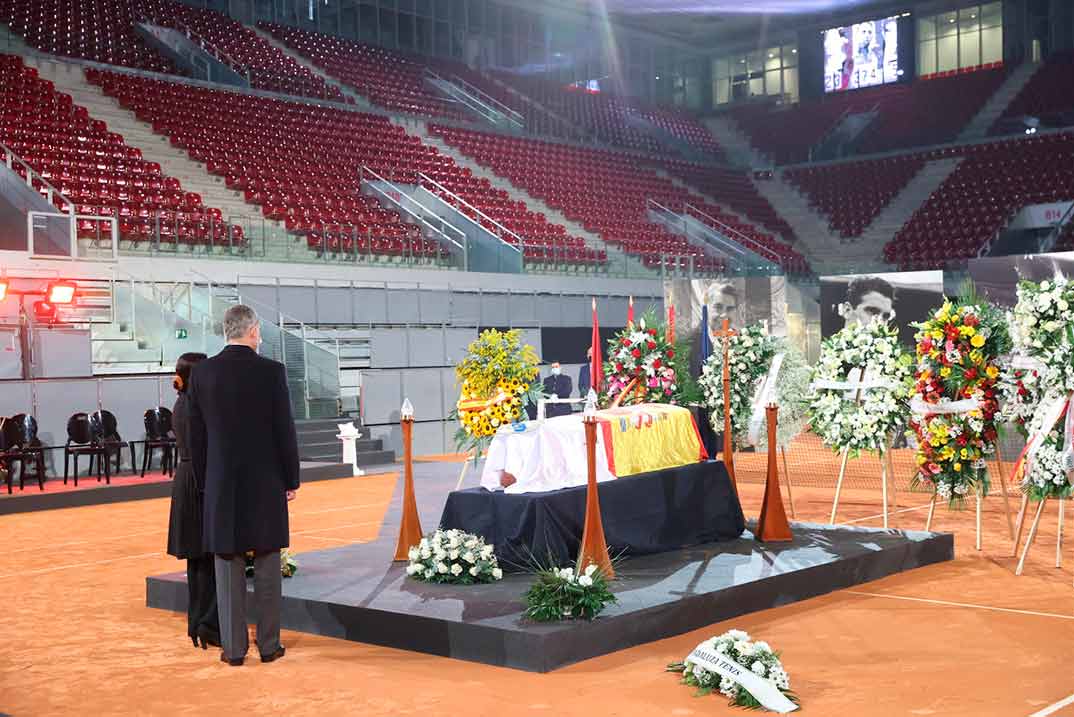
(274,656)
(208,636)
(236,662)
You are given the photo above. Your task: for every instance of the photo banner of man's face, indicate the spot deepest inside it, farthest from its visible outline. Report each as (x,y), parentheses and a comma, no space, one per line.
(996,277)
(743,301)
(898,298)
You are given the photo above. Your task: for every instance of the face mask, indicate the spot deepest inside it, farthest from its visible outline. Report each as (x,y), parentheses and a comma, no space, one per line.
(556,371)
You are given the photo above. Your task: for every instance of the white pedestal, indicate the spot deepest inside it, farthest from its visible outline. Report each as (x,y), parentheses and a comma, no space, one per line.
(350,451)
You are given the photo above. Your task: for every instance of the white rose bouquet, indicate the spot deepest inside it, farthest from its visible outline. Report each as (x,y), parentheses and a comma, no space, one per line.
(565,594)
(756,657)
(452,556)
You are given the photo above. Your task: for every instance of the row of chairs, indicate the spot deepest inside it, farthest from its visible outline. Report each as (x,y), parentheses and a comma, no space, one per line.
(95,435)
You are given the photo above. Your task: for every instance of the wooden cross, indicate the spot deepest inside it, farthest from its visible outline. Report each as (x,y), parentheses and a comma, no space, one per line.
(728,453)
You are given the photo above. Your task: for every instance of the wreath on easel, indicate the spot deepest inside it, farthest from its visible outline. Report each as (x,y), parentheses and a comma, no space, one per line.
(752,355)
(955,396)
(860,385)
(644,365)
(498,380)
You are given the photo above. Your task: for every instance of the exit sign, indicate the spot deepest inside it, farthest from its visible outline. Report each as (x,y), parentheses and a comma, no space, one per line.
(180,333)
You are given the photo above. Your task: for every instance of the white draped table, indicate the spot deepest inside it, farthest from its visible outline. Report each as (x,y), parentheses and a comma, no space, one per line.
(548,455)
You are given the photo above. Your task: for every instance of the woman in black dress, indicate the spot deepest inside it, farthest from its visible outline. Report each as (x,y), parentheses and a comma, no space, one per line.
(184,529)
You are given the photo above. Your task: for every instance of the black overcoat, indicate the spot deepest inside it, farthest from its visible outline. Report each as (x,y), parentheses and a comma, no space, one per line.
(244,450)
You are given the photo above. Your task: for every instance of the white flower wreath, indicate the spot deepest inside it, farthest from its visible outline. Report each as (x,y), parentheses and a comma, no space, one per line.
(751,354)
(1041,331)
(866,425)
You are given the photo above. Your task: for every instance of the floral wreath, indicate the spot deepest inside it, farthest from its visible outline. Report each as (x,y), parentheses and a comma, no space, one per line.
(757,657)
(846,424)
(751,352)
(1041,332)
(498,379)
(643,365)
(955,389)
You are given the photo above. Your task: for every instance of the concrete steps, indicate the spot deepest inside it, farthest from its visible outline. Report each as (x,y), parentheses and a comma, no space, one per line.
(894,216)
(269,238)
(978,127)
(348,91)
(808,224)
(617,259)
(735,142)
(317,442)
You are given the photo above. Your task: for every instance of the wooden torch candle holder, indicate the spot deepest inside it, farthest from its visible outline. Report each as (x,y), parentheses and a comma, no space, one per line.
(594,549)
(772,526)
(410,525)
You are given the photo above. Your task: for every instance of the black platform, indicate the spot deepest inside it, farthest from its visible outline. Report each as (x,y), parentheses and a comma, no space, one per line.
(356,593)
(125,488)
(642,514)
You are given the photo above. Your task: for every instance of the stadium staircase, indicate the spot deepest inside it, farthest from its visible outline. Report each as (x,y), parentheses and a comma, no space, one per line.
(347,90)
(631,266)
(720,205)
(897,213)
(811,228)
(70,78)
(994,108)
(736,145)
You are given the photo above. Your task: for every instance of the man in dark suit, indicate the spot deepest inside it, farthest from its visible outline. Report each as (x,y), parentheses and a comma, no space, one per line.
(244,451)
(557,385)
(584,381)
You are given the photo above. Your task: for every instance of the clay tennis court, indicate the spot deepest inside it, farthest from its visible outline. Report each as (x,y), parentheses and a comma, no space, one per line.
(963,638)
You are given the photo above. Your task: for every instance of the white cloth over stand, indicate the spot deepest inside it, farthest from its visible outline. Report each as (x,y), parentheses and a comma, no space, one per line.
(548,455)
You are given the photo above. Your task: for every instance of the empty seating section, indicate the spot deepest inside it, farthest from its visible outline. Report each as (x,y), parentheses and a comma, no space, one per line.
(980,197)
(932,112)
(386,78)
(1048,96)
(786,134)
(99,30)
(733,188)
(96,170)
(925,112)
(852,194)
(267,67)
(605,191)
(301,164)
(602,116)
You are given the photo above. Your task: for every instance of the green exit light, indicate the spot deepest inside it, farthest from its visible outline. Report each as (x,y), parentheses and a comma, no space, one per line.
(180,333)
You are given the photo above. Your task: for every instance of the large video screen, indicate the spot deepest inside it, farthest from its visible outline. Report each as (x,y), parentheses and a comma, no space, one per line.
(861,55)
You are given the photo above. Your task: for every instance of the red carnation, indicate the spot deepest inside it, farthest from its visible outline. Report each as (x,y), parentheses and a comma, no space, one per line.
(656,363)
(652,345)
(619,367)
(652,332)
(971,373)
(671,354)
(636,353)
(626,342)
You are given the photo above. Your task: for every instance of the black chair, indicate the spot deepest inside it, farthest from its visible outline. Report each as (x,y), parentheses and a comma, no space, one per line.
(84,439)
(104,424)
(158,434)
(21,446)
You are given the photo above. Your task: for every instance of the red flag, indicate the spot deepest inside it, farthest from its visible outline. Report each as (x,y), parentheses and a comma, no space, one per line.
(630,313)
(671,324)
(596,366)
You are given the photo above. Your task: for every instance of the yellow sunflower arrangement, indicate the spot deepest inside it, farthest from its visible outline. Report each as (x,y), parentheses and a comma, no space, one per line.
(497,378)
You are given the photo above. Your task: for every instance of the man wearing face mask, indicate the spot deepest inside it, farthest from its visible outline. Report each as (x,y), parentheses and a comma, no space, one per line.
(560,386)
